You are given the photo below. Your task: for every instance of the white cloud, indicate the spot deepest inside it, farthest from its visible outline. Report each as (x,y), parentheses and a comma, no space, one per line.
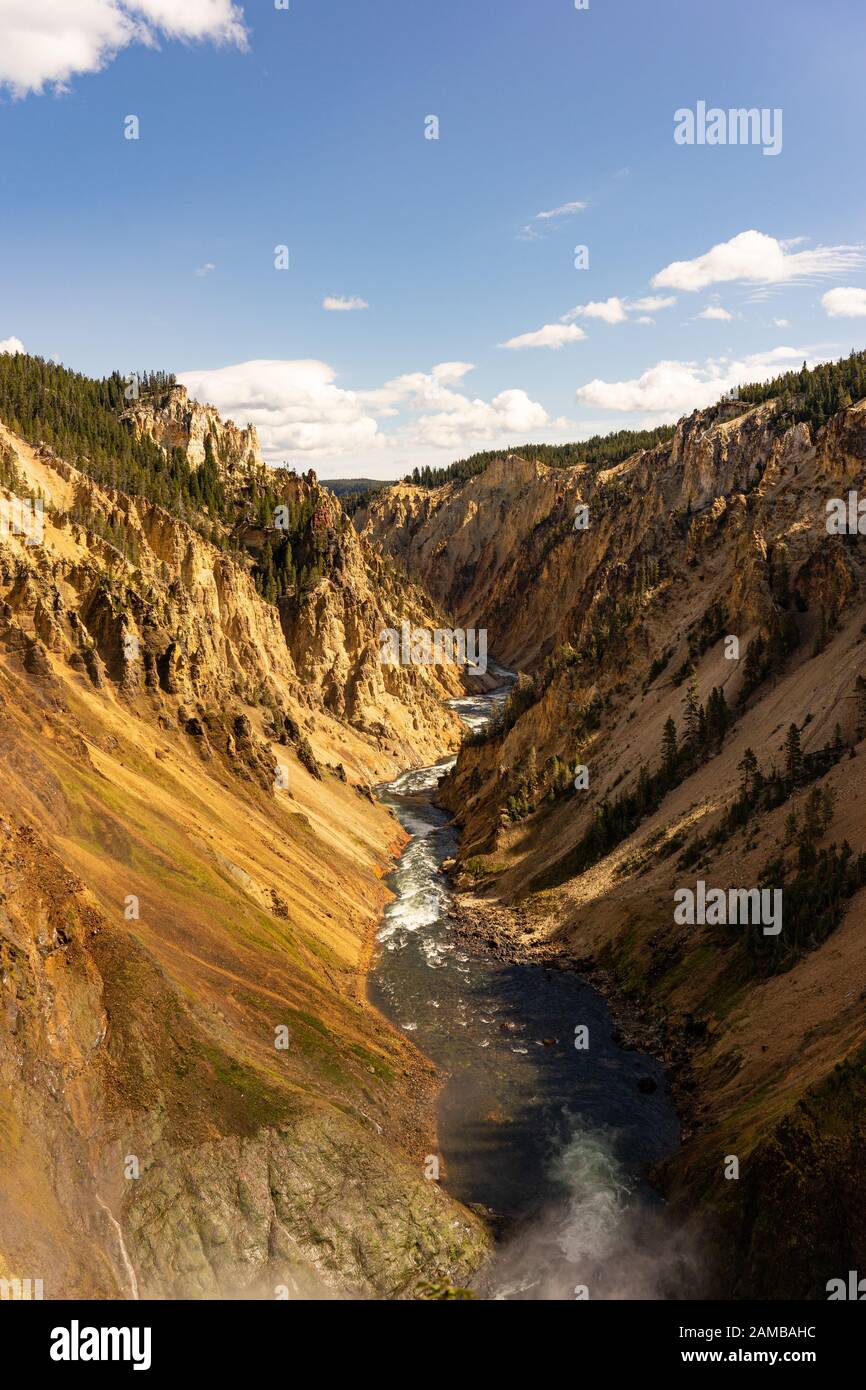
(338,303)
(205,269)
(552,335)
(459,421)
(616,310)
(715,311)
(845,302)
(452,371)
(565,210)
(782,323)
(11,345)
(754,256)
(446,418)
(221,21)
(611,310)
(48,42)
(651,303)
(414,389)
(295,405)
(673,388)
(298,409)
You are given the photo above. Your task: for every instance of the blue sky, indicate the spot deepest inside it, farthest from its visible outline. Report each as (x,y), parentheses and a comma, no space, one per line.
(305,127)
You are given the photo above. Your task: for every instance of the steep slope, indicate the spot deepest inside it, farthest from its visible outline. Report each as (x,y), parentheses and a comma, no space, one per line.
(195,1097)
(478,546)
(719,534)
(482,544)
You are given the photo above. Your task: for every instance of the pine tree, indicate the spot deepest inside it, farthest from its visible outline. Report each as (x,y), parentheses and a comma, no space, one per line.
(692,714)
(532,771)
(669,745)
(642,793)
(829,806)
(753,666)
(811,828)
(702,734)
(748,770)
(793,755)
(718,716)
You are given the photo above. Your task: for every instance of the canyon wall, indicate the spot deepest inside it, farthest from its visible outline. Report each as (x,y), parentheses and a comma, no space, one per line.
(196,1099)
(619,627)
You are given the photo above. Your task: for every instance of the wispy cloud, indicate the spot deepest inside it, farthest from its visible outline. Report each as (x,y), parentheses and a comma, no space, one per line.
(651,303)
(552,335)
(205,269)
(564,210)
(341,304)
(531,232)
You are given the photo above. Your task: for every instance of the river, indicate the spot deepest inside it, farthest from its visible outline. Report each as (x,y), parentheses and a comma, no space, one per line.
(551,1140)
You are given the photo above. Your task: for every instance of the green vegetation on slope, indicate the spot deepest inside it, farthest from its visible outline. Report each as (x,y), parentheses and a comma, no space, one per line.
(601,451)
(814,394)
(613,821)
(80,418)
(342,487)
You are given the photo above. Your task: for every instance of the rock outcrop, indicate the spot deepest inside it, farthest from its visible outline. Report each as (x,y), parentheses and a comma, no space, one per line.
(173,420)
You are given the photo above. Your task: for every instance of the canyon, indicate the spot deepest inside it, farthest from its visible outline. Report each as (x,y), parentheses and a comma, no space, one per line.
(206,1088)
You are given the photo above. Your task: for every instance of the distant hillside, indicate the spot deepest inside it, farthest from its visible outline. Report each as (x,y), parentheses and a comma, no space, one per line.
(601,450)
(340,486)
(810,394)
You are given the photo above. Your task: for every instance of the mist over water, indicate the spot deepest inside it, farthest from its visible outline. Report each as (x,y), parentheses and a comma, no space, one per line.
(604,1233)
(551,1141)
